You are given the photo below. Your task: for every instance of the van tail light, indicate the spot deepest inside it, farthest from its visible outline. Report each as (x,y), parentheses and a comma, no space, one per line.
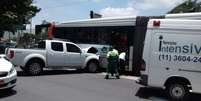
(143,66)
(12,53)
(156,23)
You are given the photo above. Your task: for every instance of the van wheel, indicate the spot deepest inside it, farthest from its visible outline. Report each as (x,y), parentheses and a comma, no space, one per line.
(34,68)
(92,66)
(178,92)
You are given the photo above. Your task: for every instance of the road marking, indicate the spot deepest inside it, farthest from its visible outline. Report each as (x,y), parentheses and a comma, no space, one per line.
(124,77)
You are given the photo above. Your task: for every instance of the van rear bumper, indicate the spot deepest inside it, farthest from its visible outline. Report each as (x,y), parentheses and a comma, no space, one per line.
(143,80)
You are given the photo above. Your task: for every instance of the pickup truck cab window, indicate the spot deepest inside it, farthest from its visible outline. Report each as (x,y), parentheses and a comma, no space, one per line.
(57,46)
(73,48)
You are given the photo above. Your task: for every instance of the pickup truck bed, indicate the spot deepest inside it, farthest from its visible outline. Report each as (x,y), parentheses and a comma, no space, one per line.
(22,53)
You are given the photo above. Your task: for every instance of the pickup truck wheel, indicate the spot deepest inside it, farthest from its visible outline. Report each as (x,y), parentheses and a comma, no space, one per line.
(92,67)
(34,68)
(178,92)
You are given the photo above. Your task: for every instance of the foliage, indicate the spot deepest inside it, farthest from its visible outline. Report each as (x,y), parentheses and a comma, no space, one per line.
(187,6)
(26,40)
(15,13)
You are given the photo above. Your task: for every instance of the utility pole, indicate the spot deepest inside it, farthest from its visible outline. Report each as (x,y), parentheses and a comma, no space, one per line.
(31,26)
(94,15)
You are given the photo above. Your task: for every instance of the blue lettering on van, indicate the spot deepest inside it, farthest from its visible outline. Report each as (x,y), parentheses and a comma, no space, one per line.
(173,47)
(179,58)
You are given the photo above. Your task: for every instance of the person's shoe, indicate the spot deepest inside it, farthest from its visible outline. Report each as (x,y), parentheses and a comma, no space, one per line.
(112,74)
(117,77)
(107,77)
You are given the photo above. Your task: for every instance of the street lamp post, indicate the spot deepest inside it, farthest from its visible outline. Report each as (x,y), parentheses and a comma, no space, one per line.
(31,26)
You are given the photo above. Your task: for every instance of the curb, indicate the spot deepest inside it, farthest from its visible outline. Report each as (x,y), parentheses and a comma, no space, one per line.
(124,77)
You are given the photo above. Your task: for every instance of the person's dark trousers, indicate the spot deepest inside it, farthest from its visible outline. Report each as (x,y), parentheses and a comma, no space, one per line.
(116,67)
(112,67)
(109,68)
(121,66)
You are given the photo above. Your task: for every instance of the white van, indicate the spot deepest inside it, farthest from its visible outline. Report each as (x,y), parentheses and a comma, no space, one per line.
(172,56)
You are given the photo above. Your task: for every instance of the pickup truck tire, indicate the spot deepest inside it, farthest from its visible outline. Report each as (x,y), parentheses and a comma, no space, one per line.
(178,92)
(92,66)
(34,67)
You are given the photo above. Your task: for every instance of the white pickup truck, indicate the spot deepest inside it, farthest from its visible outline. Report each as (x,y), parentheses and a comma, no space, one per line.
(53,54)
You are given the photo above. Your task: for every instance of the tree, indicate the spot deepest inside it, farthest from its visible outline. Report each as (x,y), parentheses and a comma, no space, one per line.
(187,6)
(44,22)
(14,14)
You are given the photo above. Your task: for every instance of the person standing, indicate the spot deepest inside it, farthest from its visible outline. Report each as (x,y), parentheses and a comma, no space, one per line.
(112,68)
(122,62)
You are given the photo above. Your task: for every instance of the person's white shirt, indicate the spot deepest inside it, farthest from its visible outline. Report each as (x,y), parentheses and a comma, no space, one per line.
(122,56)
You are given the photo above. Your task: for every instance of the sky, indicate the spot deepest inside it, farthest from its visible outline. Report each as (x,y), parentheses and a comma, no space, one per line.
(61,11)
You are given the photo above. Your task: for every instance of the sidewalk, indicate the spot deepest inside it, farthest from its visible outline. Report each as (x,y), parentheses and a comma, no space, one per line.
(124,76)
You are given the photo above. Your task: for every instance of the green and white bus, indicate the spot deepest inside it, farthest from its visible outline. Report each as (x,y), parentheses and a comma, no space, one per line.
(124,33)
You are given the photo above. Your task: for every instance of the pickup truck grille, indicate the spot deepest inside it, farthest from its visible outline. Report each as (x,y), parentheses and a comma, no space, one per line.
(3,74)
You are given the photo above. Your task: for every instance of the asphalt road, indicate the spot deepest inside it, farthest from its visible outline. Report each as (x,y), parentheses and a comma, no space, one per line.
(78,86)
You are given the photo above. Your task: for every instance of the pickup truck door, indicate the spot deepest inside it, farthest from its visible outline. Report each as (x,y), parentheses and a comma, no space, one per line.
(55,55)
(74,56)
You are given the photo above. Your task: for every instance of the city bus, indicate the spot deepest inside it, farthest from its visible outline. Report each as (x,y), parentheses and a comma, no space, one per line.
(126,34)
(98,33)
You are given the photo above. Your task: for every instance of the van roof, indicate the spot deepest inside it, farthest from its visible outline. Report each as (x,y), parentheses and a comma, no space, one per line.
(193,16)
(176,24)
